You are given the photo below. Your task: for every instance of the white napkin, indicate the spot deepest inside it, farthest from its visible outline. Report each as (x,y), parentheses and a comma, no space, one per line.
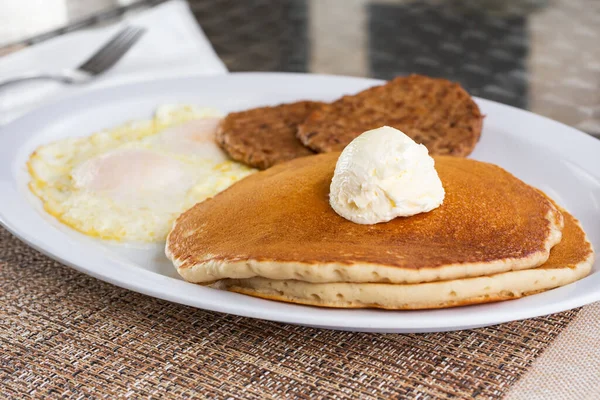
(173,46)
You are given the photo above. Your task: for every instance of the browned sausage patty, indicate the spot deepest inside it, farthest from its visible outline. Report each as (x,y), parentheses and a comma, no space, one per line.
(265,136)
(435,112)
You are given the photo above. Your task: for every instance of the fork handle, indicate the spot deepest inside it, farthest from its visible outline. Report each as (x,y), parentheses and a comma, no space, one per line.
(65,77)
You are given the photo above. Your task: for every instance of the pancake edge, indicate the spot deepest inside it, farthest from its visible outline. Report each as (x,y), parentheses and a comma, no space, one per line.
(431,295)
(213,270)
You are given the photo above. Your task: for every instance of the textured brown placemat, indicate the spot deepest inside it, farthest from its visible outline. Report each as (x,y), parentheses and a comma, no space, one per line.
(63,333)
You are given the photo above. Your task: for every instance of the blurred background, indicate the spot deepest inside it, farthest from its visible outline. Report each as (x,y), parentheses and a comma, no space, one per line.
(541,55)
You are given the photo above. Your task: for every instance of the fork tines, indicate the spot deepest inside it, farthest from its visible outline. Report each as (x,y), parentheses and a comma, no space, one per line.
(112,51)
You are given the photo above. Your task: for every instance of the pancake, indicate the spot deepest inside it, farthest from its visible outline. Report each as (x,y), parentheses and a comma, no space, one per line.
(278,224)
(435,112)
(570,260)
(265,136)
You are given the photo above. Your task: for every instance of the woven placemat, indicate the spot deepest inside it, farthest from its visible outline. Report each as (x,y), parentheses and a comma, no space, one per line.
(64,334)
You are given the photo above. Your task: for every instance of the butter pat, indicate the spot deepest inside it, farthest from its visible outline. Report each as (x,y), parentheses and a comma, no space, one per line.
(384,174)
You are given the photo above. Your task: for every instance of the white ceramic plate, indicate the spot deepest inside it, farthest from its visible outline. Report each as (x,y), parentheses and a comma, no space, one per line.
(560,160)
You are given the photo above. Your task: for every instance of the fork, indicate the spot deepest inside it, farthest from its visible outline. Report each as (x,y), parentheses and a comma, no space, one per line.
(102,60)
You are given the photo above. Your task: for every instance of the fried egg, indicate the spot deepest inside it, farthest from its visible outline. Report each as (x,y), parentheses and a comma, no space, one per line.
(130,183)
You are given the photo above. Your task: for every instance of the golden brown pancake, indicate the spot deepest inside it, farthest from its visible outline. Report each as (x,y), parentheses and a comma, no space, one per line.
(435,112)
(278,224)
(569,261)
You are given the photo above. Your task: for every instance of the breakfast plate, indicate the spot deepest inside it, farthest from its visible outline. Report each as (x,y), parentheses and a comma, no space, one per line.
(559,160)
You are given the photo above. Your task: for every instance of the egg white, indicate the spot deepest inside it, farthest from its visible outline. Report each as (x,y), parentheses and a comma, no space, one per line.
(168,164)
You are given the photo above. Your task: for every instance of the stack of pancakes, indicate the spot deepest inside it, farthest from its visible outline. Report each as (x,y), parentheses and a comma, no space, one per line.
(274,235)
(435,112)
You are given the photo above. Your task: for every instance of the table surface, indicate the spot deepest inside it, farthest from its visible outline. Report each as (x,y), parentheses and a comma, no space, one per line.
(540,55)
(64,334)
